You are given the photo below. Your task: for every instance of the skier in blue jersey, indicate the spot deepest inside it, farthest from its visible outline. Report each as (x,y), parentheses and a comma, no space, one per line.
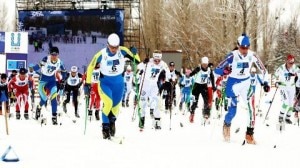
(240,61)
(49,66)
(112,63)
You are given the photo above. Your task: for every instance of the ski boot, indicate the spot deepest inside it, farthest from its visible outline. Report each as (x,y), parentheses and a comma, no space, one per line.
(38,112)
(123,104)
(97,115)
(18,115)
(151,113)
(249,136)
(156,124)
(226,131)
(105,131)
(142,123)
(217,103)
(112,126)
(77,115)
(54,120)
(65,107)
(90,112)
(288,120)
(26,116)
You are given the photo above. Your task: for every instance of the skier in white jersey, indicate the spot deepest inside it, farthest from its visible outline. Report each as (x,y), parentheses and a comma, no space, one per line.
(112,63)
(128,82)
(241,61)
(285,79)
(49,65)
(150,90)
(72,85)
(254,79)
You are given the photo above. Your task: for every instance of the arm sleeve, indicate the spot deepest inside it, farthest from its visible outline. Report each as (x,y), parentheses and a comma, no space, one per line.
(220,68)
(261,67)
(195,71)
(97,57)
(39,65)
(128,54)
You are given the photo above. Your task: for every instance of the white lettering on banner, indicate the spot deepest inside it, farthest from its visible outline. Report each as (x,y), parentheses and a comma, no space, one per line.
(36,13)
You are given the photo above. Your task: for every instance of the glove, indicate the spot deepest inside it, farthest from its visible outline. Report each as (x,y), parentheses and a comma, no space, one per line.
(277,84)
(87,89)
(266,87)
(146,60)
(227,70)
(133,50)
(291,74)
(141,72)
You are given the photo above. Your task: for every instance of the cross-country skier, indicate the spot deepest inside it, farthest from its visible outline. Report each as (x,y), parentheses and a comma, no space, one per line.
(241,61)
(186,83)
(73,83)
(285,79)
(128,83)
(20,85)
(221,98)
(4,97)
(203,76)
(95,98)
(49,65)
(254,79)
(112,63)
(150,89)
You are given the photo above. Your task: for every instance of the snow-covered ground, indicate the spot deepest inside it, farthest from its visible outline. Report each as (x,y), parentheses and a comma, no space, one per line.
(190,146)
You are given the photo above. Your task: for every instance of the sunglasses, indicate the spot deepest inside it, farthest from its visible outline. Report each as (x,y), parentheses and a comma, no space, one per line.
(157,61)
(291,62)
(53,54)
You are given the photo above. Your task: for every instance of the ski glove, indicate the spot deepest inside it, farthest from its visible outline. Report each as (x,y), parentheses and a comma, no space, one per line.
(277,84)
(146,60)
(227,70)
(133,50)
(266,87)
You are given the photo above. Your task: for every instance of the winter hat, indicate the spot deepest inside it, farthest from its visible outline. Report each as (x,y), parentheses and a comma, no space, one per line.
(243,41)
(113,40)
(204,60)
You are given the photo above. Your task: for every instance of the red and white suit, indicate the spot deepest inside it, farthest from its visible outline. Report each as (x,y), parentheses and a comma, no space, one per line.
(20,85)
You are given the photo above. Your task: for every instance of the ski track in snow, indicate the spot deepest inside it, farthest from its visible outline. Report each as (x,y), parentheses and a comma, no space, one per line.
(190,146)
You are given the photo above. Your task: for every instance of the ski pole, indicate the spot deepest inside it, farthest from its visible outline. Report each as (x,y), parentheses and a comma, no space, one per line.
(270,105)
(87,98)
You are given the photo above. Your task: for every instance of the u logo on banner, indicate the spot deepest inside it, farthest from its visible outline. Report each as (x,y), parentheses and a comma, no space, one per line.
(13,43)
